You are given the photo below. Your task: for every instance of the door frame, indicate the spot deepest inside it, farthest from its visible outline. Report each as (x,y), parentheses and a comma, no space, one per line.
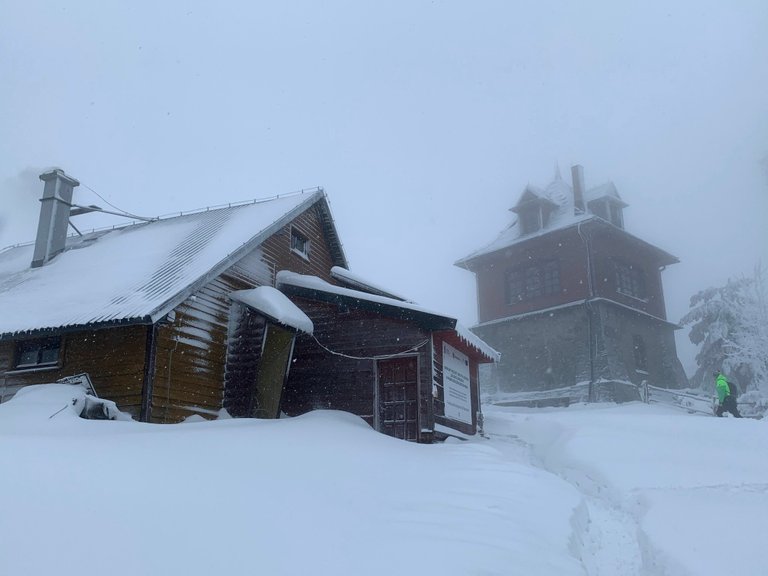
(377,391)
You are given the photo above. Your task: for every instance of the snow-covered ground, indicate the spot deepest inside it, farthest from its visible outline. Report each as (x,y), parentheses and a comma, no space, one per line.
(586,490)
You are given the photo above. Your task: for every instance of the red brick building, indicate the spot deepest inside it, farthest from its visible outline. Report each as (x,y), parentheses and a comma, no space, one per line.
(568,296)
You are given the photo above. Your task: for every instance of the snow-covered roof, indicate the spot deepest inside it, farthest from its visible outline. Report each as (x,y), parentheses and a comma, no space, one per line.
(351,279)
(286,278)
(560,194)
(607,190)
(276,305)
(475,341)
(137,273)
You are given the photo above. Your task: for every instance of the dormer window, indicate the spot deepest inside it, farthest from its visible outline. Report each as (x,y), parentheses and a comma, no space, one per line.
(533,214)
(530,219)
(608,209)
(616,216)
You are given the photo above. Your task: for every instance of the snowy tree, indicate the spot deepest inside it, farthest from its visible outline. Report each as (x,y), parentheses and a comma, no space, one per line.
(730,325)
(747,346)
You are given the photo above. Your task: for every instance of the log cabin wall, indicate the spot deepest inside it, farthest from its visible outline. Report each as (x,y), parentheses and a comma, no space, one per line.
(451,339)
(246,331)
(321,380)
(191,353)
(114,359)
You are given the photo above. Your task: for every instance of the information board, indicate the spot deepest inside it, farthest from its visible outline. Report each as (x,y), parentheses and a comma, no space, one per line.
(458,395)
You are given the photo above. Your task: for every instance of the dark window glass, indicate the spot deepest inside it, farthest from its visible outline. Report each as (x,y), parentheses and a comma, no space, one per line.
(532,281)
(638,344)
(599,208)
(551,277)
(616,216)
(630,280)
(299,242)
(530,219)
(39,352)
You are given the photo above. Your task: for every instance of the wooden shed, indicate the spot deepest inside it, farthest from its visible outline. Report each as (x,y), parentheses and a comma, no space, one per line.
(409,372)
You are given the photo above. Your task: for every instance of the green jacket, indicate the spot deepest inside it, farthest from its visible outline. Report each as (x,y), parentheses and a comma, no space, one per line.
(723,390)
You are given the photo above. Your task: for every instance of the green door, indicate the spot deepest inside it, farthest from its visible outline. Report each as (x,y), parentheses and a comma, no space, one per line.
(273,371)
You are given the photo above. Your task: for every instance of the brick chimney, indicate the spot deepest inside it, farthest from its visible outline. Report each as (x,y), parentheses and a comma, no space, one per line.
(54,215)
(577,175)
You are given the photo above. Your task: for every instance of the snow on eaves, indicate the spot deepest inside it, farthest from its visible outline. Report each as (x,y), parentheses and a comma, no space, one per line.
(347,277)
(564,215)
(285,277)
(476,342)
(276,305)
(137,273)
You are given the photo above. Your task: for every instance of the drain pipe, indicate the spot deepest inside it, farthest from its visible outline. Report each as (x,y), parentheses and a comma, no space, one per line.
(588,307)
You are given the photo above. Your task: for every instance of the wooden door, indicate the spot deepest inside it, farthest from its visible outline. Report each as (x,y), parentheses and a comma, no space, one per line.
(273,371)
(397,390)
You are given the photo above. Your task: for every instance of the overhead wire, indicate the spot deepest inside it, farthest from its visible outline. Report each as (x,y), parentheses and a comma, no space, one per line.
(123,212)
(382,357)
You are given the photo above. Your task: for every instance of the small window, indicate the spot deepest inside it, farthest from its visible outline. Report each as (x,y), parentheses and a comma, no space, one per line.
(616,216)
(599,208)
(38,352)
(299,243)
(530,219)
(638,345)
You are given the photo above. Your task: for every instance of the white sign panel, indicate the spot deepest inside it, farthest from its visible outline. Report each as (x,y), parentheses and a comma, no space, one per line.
(458,395)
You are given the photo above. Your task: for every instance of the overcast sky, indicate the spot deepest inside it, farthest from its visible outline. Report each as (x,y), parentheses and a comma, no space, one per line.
(422,120)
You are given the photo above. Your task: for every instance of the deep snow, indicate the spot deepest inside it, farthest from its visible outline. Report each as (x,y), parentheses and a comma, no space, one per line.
(586,490)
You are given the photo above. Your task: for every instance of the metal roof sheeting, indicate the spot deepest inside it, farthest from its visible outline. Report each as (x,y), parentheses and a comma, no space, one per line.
(134,274)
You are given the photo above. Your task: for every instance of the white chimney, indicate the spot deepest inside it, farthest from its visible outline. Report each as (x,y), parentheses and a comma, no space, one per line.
(54,215)
(577,175)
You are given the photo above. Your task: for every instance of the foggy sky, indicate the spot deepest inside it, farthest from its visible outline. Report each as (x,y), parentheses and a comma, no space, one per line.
(423,121)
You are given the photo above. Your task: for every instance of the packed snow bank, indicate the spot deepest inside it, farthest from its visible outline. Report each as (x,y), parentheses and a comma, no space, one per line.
(696,486)
(318,494)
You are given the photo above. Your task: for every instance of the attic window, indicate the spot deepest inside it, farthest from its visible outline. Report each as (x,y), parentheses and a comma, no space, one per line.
(530,219)
(37,353)
(616,215)
(299,243)
(608,210)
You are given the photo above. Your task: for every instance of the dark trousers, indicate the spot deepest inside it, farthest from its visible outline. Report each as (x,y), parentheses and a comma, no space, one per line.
(728,405)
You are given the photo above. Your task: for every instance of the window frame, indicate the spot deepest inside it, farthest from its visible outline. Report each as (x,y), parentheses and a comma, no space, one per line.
(640,353)
(532,281)
(304,248)
(630,281)
(531,219)
(39,347)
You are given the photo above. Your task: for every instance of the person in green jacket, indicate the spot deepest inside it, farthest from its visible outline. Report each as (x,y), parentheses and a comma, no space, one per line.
(725,396)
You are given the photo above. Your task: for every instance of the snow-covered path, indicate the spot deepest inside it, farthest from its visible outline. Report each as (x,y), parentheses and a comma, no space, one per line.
(663,493)
(604,533)
(599,490)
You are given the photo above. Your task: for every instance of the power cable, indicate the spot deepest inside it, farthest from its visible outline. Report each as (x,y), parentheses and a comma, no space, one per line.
(383,357)
(123,212)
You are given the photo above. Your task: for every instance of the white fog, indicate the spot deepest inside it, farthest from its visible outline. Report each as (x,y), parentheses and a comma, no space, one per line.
(424,122)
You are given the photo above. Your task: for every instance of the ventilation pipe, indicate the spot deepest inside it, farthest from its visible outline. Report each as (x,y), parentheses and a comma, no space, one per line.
(577,175)
(54,215)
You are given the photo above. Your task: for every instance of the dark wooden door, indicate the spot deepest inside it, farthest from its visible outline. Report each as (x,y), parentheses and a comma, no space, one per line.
(397,381)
